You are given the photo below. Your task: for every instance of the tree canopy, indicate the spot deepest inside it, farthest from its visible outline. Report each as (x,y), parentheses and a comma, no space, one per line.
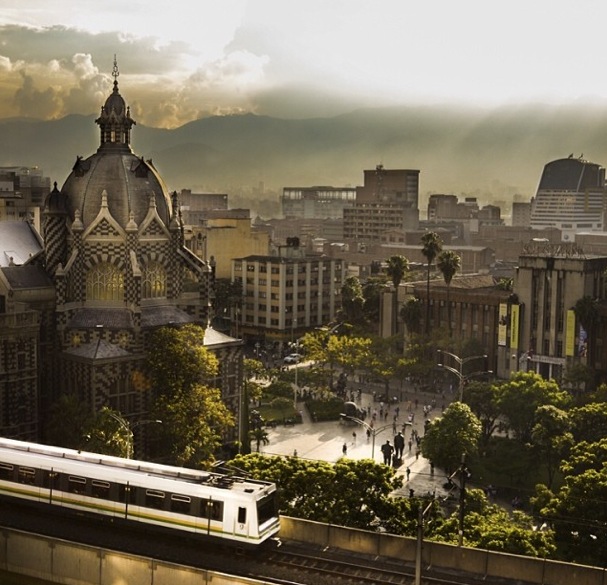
(449,436)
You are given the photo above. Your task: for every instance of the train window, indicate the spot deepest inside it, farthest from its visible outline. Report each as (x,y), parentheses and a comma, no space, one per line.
(100,489)
(242,515)
(266,509)
(6,471)
(76,485)
(211,509)
(154,499)
(27,475)
(180,504)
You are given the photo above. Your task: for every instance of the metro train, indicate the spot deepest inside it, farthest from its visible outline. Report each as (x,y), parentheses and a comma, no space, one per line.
(225,507)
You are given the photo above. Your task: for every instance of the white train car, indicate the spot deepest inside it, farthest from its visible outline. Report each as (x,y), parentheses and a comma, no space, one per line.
(225,507)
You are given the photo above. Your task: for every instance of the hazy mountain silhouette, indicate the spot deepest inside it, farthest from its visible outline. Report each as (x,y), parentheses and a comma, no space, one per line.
(490,153)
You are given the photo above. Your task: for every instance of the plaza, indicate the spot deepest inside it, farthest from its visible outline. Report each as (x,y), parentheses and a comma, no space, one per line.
(325,441)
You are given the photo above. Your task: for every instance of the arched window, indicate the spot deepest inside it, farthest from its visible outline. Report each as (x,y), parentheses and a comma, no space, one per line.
(154,283)
(104,282)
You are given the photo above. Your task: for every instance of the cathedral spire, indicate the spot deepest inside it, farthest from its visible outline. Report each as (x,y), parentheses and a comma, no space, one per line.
(115,119)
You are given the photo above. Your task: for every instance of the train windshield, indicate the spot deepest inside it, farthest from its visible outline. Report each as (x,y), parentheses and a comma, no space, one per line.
(266,509)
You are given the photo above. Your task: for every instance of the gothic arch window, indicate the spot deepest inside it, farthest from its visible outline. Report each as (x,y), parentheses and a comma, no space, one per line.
(154,282)
(104,282)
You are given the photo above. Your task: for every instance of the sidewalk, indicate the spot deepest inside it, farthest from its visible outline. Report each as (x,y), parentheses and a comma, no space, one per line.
(325,440)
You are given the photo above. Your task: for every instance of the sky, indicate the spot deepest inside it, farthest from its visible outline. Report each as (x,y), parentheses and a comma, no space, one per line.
(182,60)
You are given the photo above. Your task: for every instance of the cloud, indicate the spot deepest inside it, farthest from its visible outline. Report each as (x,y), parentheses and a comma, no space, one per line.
(45,73)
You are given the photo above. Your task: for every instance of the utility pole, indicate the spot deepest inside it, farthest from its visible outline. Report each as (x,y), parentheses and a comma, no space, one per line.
(420,541)
(463,474)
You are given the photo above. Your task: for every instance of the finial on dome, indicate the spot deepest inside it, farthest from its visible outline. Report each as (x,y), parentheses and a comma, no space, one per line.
(115,73)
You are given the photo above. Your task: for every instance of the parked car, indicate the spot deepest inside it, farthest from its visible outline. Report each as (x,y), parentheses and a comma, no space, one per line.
(293,358)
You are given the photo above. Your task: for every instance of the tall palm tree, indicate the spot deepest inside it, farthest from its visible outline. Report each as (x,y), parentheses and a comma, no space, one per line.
(397,267)
(449,263)
(432,246)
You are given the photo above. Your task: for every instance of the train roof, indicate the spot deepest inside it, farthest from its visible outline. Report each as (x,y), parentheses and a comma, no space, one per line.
(75,461)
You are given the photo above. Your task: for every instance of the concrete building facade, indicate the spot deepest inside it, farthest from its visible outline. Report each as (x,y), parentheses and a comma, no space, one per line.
(388,200)
(287,294)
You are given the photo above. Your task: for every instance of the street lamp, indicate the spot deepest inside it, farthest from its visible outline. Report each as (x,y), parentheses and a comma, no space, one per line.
(459,371)
(372,430)
(130,444)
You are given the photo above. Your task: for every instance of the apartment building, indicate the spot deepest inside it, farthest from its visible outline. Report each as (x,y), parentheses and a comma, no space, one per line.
(287,294)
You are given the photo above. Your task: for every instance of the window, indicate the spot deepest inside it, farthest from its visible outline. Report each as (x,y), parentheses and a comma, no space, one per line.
(211,509)
(180,504)
(27,475)
(6,471)
(154,499)
(104,282)
(76,485)
(154,281)
(100,489)
(263,282)
(242,515)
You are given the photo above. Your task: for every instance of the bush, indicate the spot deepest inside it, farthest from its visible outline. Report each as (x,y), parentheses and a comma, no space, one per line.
(324,410)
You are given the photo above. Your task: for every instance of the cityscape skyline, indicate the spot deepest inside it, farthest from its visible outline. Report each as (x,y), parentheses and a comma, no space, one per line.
(297,60)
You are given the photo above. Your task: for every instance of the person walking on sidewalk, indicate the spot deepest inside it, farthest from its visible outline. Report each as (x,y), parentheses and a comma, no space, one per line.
(387,451)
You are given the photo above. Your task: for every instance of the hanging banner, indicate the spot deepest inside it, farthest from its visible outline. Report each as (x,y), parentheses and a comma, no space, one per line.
(570,335)
(502,327)
(514,325)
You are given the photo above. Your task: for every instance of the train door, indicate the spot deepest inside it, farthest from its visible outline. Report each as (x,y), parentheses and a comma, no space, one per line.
(242,521)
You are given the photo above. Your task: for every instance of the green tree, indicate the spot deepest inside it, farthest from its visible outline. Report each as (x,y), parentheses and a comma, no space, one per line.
(397,267)
(578,514)
(411,314)
(372,292)
(352,300)
(106,434)
(584,456)
(449,263)
(447,437)
(69,422)
(519,398)
(491,527)
(354,493)
(551,437)
(227,295)
(432,245)
(589,422)
(177,359)
(194,415)
(481,397)
(194,422)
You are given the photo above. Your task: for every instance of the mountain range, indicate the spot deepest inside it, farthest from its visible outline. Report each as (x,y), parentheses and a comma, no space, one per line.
(493,154)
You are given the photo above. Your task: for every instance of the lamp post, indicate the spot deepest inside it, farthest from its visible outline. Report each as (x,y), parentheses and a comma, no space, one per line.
(130,444)
(373,431)
(459,371)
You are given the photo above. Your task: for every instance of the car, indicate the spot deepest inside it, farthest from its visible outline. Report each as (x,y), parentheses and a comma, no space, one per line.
(293,358)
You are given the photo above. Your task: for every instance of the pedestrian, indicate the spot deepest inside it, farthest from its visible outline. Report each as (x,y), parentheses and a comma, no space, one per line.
(354,438)
(399,445)
(344,449)
(368,434)
(417,454)
(408,472)
(387,451)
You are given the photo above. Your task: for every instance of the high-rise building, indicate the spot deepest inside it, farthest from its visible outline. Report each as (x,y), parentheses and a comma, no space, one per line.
(388,200)
(570,197)
(316,202)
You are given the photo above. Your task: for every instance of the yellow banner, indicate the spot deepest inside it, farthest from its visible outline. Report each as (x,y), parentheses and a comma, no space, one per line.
(514,325)
(502,327)
(570,334)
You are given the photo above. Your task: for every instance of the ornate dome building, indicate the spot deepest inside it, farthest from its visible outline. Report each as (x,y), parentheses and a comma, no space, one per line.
(114,248)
